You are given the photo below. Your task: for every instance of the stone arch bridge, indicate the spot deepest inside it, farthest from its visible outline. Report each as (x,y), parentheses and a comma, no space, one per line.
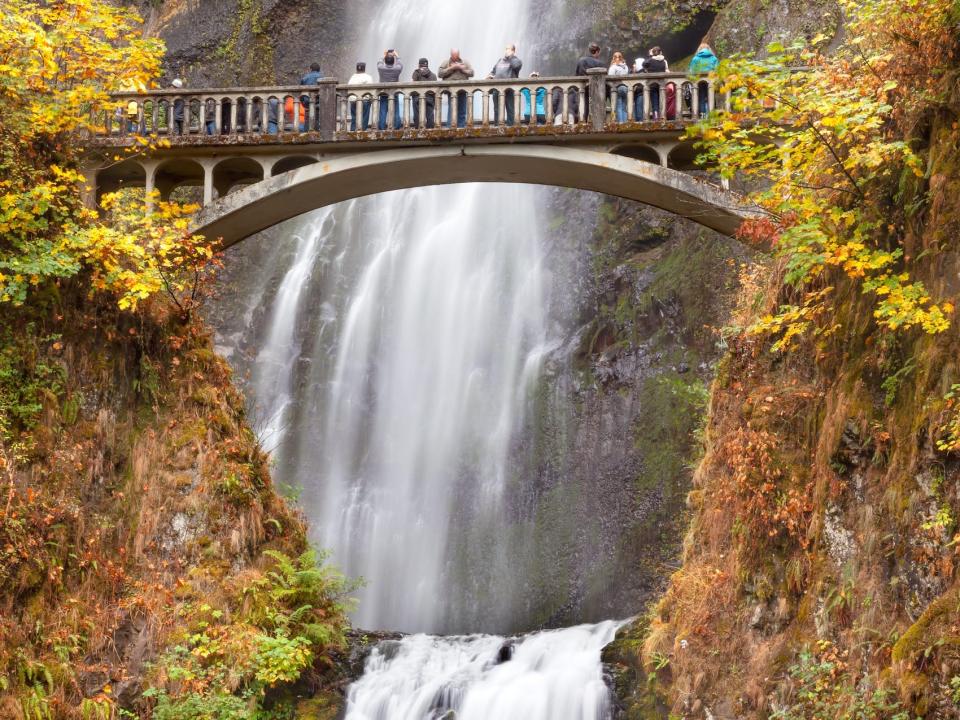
(264,155)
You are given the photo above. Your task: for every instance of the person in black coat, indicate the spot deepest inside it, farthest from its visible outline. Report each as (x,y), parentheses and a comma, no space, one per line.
(587,62)
(423,73)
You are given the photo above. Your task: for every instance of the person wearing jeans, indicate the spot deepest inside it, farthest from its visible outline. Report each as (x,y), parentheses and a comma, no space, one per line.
(703,62)
(456,69)
(618,68)
(389,70)
(310,79)
(360,77)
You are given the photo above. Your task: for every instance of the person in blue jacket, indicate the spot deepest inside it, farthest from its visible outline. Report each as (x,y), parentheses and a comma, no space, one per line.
(310,78)
(703,62)
(540,104)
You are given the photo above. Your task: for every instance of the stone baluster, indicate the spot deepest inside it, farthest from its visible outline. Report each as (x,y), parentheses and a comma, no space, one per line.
(248,117)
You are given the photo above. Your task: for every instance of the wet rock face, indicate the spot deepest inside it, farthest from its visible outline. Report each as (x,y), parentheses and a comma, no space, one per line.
(750,25)
(223,43)
(606,456)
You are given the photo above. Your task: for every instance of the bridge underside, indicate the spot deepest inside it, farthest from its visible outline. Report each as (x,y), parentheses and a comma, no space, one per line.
(256,207)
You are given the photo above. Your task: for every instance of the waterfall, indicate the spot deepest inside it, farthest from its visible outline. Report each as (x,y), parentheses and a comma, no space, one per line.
(392,349)
(553,675)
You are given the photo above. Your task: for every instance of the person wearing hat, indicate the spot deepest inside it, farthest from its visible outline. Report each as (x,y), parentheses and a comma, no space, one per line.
(178,108)
(360,77)
(423,73)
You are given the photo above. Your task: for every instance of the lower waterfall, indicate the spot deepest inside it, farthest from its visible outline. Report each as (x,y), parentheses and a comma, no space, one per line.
(550,675)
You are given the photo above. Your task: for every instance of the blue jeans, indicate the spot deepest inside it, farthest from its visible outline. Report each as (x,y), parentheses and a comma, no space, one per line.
(364,115)
(397,104)
(622,103)
(638,105)
(704,98)
(461,109)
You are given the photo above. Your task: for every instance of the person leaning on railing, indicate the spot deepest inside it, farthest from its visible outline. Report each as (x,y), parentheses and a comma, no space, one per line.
(456,69)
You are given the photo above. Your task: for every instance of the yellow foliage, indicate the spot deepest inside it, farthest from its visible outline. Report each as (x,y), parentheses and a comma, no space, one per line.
(834,168)
(59,62)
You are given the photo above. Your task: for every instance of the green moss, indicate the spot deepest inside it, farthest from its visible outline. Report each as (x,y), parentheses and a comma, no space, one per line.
(326,706)
(930,628)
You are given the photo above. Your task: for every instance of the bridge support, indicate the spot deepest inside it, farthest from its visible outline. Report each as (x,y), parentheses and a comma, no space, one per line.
(336,179)
(597,98)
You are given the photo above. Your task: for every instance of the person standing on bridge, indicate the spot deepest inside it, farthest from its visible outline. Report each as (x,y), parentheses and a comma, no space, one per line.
(506,68)
(539,103)
(310,78)
(705,61)
(179,108)
(655,63)
(389,69)
(360,77)
(618,68)
(587,62)
(456,69)
(423,73)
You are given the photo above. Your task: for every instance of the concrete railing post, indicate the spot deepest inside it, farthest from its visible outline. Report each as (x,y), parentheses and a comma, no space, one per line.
(597,97)
(327,107)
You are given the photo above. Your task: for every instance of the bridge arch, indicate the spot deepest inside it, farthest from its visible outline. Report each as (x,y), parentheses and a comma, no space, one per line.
(338,178)
(291,162)
(174,173)
(644,152)
(236,171)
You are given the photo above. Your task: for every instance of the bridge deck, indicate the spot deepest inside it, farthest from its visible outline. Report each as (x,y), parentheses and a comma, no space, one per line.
(289,149)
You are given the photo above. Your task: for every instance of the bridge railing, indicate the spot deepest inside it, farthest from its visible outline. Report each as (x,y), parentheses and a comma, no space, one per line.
(481,103)
(328,108)
(214,112)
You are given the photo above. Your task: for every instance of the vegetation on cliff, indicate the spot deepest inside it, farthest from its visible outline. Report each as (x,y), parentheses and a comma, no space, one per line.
(147,566)
(820,571)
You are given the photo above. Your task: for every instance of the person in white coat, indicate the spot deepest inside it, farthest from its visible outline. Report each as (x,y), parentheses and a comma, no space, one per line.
(360,77)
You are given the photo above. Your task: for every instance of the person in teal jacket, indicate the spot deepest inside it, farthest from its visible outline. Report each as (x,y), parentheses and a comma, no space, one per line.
(703,62)
(540,105)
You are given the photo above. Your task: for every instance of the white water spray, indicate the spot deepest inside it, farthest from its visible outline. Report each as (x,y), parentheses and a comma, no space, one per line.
(553,675)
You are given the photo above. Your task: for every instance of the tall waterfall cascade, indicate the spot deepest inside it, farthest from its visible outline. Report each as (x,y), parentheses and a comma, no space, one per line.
(394,347)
